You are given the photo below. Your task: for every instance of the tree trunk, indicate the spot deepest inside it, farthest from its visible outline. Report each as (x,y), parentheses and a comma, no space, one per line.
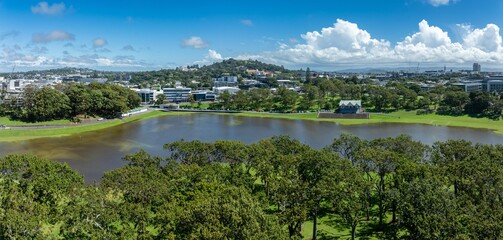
(315,221)
(353,231)
(381,200)
(291,231)
(393,220)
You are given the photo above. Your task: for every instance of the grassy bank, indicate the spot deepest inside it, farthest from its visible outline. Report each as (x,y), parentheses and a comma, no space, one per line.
(9,135)
(395,117)
(12,123)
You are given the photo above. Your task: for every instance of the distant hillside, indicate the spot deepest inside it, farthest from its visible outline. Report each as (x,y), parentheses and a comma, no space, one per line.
(234,66)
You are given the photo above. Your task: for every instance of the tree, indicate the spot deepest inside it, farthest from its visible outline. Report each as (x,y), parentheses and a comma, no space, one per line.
(383,163)
(495,110)
(80,99)
(347,146)
(48,104)
(381,98)
(479,102)
(453,103)
(349,198)
(159,99)
(226,100)
(287,99)
(318,170)
(428,210)
(449,156)
(224,212)
(283,180)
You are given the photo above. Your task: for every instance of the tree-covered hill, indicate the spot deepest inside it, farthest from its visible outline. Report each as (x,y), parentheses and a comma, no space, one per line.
(203,75)
(240,66)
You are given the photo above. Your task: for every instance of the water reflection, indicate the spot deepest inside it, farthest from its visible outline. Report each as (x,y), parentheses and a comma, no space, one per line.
(95,152)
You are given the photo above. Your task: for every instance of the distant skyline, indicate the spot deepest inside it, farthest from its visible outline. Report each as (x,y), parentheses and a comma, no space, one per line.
(325,35)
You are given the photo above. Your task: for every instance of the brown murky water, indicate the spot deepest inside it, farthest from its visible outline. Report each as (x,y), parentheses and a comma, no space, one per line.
(96,152)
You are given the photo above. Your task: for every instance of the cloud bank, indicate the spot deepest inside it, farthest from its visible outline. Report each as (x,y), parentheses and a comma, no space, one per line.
(345,43)
(56,35)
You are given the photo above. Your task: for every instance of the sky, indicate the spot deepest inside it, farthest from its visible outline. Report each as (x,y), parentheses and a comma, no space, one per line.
(137,35)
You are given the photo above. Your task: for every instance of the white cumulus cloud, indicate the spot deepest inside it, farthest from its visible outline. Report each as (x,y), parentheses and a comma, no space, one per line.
(487,39)
(56,35)
(211,57)
(46,9)
(437,3)
(195,42)
(214,55)
(430,36)
(345,36)
(346,44)
(99,42)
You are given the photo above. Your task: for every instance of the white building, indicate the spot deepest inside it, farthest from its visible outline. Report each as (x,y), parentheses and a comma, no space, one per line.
(177,94)
(225,81)
(220,90)
(148,95)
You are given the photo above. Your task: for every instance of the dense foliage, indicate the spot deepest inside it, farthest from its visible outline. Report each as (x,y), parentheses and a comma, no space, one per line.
(68,101)
(265,190)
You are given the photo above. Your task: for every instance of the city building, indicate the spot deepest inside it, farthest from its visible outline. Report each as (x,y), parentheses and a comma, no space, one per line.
(469,87)
(220,90)
(285,83)
(493,84)
(476,67)
(177,94)
(147,95)
(226,81)
(490,84)
(202,96)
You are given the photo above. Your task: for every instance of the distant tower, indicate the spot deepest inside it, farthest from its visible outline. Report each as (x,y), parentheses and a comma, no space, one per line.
(476,67)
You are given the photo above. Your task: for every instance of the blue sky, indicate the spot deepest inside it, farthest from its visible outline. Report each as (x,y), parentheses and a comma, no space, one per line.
(331,35)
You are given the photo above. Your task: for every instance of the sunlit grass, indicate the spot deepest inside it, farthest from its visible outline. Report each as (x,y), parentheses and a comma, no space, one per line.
(9,135)
(394,117)
(13,123)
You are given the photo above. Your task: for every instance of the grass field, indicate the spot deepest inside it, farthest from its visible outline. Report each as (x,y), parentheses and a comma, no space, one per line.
(331,227)
(395,117)
(9,135)
(6,121)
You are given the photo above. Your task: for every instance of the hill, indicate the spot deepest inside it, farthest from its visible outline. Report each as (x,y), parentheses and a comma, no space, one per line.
(238,66)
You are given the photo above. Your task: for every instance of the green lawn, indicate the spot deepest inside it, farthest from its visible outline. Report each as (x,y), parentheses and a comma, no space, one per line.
(6,121)
(9,135)
(395,117)
(331,227)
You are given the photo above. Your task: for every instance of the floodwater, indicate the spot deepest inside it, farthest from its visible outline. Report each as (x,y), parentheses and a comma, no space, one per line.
(93,153)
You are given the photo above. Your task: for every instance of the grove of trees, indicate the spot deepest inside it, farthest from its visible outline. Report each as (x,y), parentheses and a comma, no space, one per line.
(69,101)
(399,188)
(325,94)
